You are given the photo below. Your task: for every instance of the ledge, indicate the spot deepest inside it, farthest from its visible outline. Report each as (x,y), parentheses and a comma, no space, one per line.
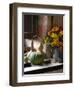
(48,68)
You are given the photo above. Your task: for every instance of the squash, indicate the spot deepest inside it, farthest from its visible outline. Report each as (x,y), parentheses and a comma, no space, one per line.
(35,58)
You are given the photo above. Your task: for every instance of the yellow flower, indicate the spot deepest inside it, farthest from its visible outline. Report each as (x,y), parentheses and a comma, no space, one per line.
(60,34)
(54,35)
(55,29)
(55,42)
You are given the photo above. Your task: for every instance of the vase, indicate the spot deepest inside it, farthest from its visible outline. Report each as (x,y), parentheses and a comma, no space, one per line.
(61,54)
(57,55)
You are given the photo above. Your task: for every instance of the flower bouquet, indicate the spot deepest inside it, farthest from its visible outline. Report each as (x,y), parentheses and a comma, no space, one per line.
(54,38)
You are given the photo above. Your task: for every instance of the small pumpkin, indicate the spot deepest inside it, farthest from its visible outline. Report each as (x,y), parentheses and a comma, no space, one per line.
(36,58)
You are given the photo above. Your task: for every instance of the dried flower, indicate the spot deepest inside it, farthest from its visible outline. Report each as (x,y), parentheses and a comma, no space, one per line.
(54,36)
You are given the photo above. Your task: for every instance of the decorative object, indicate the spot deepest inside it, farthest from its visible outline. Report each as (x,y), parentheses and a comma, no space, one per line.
(30,58)
(56,55)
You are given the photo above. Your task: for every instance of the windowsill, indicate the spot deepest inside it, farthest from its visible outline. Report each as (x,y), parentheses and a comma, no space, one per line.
(35,69)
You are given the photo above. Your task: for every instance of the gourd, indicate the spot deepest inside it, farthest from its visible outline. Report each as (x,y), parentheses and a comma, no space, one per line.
(26,59)
(35,57)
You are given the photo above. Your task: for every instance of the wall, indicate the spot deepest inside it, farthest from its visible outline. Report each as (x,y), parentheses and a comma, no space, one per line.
(4,46)
(58,20)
